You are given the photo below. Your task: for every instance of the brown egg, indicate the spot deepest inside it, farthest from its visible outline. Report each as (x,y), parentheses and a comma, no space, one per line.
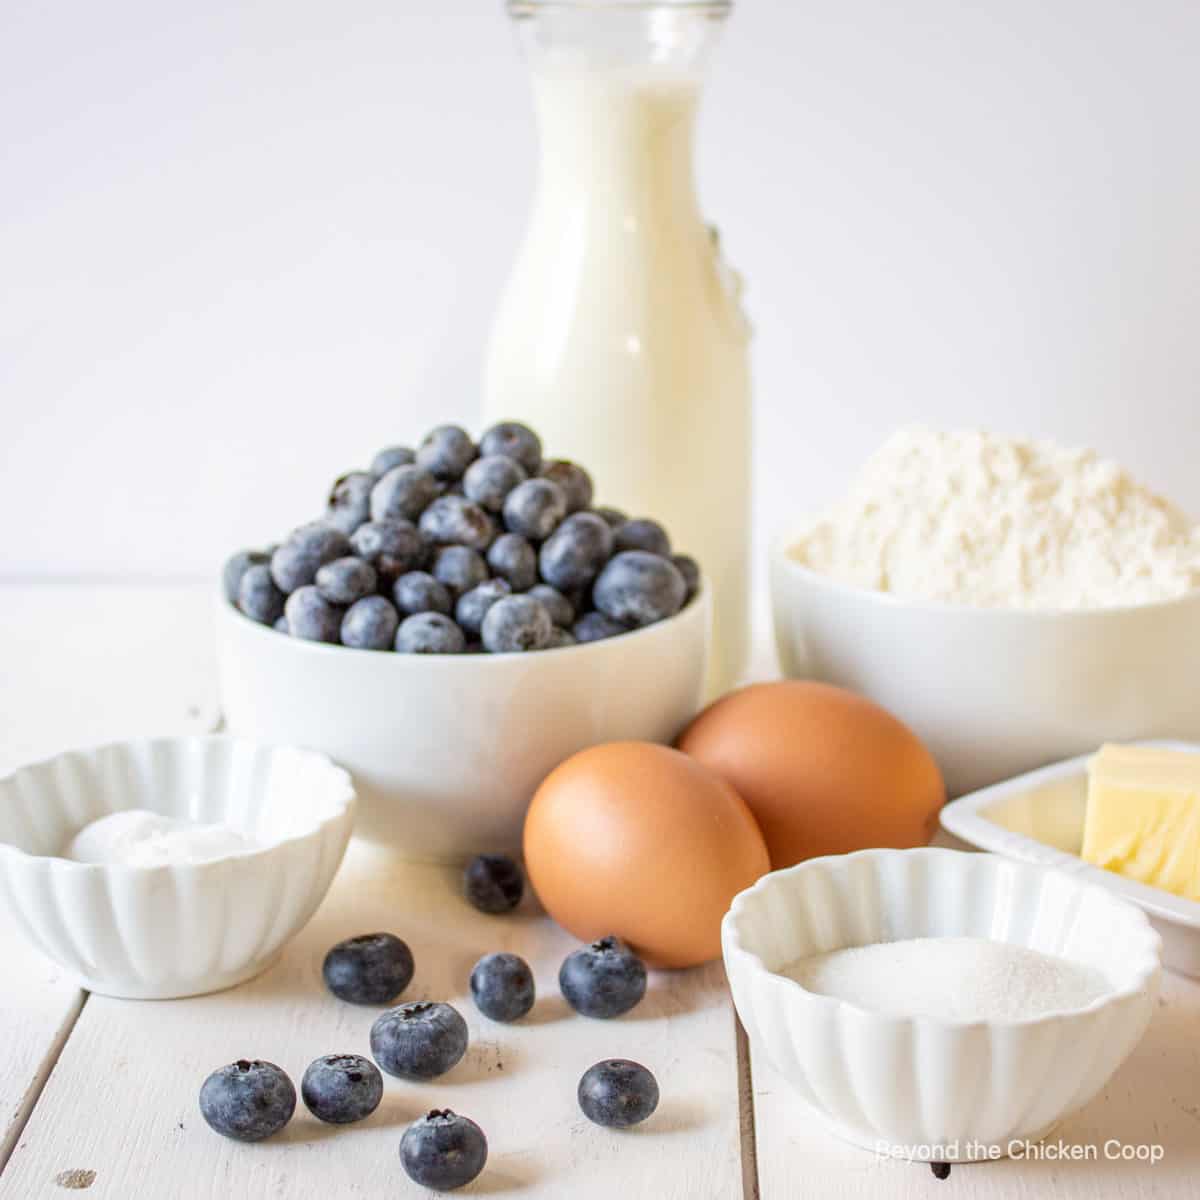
(641,841)
(825,771)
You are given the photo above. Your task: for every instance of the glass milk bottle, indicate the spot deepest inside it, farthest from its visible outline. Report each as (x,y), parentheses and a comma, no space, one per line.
(620,337)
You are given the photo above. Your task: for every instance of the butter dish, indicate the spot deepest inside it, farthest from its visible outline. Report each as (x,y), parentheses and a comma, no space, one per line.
(1038,817)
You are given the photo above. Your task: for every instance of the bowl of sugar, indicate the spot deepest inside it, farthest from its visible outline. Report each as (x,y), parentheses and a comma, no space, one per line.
(950,1005)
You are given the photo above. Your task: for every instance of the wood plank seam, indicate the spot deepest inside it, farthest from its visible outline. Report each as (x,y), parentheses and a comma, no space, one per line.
(745,1082)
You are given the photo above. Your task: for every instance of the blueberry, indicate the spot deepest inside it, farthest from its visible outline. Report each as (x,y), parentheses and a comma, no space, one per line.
(493,883)
(446,452)
(419,592)
(236,567)
(573,555)
(515,441)
(258,597)
(419,1040)
(281,626)
(404,492)
(618,1093)
(350,501)
(561,610)
(370,624)
(390,546)
(459,569)
(559,638)
(642,534)
(502,986)
(391,457)
(488,480)
(311,617)
(575,482)
(373,968)
(346,580)
(534,508)
(516,624)
(456,521)
(341,1088)
(514,559)
(443,1151)
(689,568)
(248,1100)
(472,606)
(612,517)
(639,588)
(307,549)
(595,627)
(603,980)
(429,633)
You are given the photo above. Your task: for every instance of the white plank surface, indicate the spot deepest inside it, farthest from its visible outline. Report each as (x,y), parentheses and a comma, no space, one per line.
(122,1101)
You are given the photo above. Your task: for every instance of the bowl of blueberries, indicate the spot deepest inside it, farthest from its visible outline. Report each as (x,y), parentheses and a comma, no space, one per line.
(458,621)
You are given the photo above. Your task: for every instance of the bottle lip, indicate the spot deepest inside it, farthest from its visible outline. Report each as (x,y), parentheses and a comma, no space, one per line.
(530,8)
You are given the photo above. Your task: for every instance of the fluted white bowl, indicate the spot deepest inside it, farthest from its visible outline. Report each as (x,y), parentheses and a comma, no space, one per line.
(180,929)
(944,1088)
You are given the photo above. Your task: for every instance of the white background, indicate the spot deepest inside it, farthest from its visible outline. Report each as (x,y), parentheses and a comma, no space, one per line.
(245,242)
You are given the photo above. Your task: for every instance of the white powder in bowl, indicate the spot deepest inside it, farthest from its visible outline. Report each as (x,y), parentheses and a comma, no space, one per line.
(951,979)
(975,519)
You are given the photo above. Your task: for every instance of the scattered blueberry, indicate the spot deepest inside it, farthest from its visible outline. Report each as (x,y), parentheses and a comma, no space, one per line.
(429,633)
(370,624)
(642,534)
(472,606)
(443,1151)
(602,980)
(390,457)
(561,610)
(295,563)
(457,521)
(236,567)
(459,569)
(595,627)
(258,597)
(514,559)
(559,638)
(639,588)
(446,452)
(311,617)
(391,547)
(516,624)
(488,480)
(404,492)
(419,1040)
(689,568)
(575,482)
(248,1100)
(345,580)
(493,883)
(612,517)
(350,501)
(534,508)
(617,1093)
(515,441)
(502,986)
(419,592)
(373,968)
(573,555)
(281,626)
(341,1088)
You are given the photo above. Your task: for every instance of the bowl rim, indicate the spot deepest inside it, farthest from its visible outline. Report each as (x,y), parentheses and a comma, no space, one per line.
(1149,966)
(699,606)
(780,555)
(343,798)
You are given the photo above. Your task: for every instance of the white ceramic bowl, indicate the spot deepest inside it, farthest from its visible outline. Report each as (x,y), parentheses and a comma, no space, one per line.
(447,750)
(994,692)
(178,930)
(876,1080)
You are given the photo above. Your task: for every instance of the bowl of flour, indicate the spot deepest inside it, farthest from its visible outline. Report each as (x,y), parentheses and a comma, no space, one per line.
(1014,602)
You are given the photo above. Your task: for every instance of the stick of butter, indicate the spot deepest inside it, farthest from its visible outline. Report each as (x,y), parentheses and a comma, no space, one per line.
(1143,816)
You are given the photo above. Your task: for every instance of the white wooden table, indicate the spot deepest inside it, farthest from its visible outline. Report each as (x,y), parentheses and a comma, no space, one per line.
(100,1095)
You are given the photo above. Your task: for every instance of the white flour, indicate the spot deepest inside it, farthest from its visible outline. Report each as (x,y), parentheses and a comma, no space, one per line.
(975,519)
(951,979)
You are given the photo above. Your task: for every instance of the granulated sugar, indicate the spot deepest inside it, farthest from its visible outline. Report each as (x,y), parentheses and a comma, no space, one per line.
(952,979)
